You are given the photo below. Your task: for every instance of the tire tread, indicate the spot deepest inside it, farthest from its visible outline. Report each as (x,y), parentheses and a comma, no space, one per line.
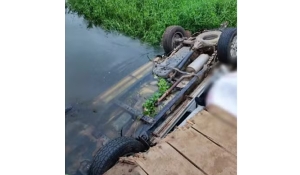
(224,45)
(109,154)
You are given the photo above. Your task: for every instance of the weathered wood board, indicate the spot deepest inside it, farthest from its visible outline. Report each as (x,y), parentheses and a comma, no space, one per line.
(207,145)
(125,169)
(204,154)
(163,159)
(217,130)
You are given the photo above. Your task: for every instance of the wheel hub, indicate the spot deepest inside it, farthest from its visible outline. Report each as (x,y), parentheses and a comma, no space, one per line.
(233,48)
(176,36)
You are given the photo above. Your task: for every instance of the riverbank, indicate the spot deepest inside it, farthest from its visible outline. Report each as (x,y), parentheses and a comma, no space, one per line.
(147,20)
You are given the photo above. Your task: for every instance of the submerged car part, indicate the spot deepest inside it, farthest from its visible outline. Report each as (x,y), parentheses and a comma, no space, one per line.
(176,107)
(106,157)
(145,131)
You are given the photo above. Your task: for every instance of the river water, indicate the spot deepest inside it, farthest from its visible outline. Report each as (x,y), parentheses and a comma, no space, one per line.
(95,60)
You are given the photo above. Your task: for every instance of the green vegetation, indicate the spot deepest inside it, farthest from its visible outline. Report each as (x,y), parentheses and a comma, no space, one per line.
(147,19)
(149,105)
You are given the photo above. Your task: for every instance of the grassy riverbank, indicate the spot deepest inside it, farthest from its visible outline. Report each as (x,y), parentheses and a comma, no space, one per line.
(147,19)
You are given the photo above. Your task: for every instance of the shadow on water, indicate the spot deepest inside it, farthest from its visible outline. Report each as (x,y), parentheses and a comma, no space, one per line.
(96,60)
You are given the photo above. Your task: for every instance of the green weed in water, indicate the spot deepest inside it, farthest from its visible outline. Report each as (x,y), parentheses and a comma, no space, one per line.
(147,19)
(149,105)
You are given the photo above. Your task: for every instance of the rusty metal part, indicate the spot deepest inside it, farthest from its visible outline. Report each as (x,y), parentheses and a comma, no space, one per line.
(185,60)
(189,42)
(175,69)
(145,132)
(182,84)
(183,77)
(176,115)
(198,63)
(155,135)
(206,39)
(172,61)
(173,86)
(166,124)
(175,50)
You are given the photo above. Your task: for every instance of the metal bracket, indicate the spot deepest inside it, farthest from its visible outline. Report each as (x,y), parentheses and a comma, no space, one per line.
(144,142)
(147,119)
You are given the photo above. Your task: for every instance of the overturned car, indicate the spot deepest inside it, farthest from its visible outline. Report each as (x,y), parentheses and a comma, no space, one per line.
(190,65)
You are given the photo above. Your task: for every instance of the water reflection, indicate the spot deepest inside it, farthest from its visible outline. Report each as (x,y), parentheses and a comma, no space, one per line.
(96,60)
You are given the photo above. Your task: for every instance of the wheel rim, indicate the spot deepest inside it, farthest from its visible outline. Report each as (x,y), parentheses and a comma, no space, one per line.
(176,36)
(233,48)
(128,154)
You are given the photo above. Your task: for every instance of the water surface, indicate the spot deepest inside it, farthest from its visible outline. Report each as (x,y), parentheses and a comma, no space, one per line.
(94,61)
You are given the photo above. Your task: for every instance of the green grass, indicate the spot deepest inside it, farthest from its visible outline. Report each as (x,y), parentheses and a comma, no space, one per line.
(147,19)
(149,105)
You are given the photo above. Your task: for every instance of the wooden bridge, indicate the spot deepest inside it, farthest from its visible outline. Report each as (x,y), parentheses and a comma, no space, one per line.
(205,145)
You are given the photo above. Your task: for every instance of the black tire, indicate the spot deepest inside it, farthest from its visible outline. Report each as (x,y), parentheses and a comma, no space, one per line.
(110,153)
(224,46)
(169,35)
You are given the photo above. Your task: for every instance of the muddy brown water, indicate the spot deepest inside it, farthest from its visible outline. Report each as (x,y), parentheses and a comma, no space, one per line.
(95,60)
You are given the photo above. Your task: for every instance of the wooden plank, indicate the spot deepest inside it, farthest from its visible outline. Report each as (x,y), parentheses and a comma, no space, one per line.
(217,130)
(125,169)
(222,114)
(206,155)
(163,159)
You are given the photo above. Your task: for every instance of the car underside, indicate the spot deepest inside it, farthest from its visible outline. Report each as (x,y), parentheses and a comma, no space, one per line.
(190,65)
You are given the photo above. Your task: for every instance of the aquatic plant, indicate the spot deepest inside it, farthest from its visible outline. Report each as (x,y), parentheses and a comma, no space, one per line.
(147,19)
(149,104)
